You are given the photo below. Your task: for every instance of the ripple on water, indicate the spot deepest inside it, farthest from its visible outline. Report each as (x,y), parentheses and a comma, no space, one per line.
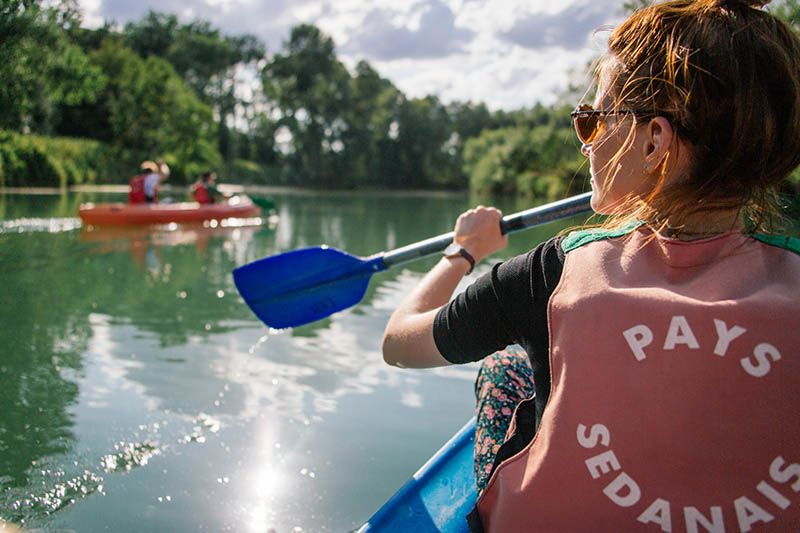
(205,423)
(45,225)
(25,506)
(129,455)
(60,489)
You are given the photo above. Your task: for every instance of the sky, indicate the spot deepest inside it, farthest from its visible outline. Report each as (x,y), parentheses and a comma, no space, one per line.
(508,54)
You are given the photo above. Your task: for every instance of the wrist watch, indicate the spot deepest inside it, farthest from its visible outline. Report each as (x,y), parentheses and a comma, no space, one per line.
(456,250)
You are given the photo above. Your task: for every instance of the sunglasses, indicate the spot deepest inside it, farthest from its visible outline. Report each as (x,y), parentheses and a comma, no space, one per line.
(587,120)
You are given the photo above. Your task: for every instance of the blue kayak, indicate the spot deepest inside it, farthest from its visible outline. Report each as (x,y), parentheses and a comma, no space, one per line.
(438,497)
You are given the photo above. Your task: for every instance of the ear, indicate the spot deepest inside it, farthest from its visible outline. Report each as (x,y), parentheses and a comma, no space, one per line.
(659,136)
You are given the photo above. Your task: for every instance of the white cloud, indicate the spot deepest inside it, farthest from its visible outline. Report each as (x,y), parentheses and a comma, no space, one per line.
(506,53)
(518,78)
(570,28)
(426,30)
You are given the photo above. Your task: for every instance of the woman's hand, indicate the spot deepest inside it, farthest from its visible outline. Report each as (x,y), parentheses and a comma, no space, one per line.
(408,339)
(478,232)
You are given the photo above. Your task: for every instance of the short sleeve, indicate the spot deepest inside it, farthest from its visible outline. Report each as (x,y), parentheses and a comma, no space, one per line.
(505,306)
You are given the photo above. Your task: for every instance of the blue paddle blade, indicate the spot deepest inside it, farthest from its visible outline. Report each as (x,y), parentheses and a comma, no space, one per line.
(301,286)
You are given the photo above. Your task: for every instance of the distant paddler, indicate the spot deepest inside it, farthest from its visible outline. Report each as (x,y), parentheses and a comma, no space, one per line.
(205,190)
(144,187)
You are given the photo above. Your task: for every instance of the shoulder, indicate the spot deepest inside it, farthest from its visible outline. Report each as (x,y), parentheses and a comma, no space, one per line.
(549,252)
(532,272)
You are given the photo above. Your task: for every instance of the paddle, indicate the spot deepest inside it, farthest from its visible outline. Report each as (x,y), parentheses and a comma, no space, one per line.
(301,286)
(264,203)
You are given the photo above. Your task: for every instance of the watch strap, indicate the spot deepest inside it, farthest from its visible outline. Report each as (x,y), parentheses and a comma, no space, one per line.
(466,255)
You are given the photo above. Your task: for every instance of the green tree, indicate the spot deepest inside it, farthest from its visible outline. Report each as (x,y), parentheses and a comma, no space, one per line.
(372,110)
(204,58)
(151,111)
(789,11)
(153,34)
(311,89)
(469,119)
(39,65)
(540,161)
(423,145)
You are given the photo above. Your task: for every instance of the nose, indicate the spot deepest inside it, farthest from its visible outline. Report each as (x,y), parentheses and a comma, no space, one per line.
(586,148)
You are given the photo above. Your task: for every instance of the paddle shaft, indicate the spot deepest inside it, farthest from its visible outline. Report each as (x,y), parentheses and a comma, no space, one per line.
(529,218)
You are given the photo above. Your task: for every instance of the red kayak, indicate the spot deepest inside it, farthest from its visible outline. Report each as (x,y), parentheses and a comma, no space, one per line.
(120,214)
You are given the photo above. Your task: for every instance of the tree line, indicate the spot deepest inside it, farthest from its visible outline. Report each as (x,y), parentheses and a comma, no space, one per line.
(87,105)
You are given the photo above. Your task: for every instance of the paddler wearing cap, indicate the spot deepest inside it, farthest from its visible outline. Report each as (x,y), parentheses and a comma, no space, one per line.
(156,173)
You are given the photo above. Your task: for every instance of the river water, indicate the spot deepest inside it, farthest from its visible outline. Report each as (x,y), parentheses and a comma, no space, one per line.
(139,393)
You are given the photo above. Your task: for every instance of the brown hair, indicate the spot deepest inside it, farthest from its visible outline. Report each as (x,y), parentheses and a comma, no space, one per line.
(727,76)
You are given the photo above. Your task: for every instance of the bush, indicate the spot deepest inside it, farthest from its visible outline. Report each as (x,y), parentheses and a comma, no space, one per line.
(36,161)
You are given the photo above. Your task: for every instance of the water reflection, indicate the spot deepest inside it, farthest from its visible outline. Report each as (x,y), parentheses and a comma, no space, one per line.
(143,242)
(132,361)
(48,225)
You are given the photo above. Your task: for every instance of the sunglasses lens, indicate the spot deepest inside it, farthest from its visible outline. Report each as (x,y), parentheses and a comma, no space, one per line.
(586,127)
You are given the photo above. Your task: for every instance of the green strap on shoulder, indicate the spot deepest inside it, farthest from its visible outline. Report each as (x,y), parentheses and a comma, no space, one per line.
(578,238)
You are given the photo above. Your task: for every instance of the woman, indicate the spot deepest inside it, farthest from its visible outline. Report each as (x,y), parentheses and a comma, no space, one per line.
(663,346)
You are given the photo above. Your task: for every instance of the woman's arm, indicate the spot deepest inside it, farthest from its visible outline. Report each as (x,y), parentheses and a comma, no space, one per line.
(163,169)
(408,338)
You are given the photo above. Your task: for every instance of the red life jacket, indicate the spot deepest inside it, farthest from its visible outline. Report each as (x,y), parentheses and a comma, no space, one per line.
(201,195)
(674,394)
(136,192)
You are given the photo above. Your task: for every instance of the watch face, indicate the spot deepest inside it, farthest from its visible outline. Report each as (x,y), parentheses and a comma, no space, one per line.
(452,249)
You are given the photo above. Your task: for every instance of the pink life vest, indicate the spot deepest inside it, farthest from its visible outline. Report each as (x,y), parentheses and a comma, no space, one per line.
(675,393)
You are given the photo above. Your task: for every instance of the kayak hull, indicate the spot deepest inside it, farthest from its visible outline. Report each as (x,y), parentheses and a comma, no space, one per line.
(438,497)
(124,214)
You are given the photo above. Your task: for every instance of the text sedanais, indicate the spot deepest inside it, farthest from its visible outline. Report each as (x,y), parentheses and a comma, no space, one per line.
(625,492)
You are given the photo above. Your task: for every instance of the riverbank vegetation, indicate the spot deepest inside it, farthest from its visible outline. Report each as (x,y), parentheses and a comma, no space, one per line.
(82,105)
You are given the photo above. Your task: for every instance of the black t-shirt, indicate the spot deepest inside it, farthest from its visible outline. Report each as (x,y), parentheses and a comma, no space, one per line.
(505,306)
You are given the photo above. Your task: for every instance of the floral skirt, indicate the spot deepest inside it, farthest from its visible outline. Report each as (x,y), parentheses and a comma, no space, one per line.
(505,379)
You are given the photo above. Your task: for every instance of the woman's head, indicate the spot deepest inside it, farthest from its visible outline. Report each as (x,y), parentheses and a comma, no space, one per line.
(726,77)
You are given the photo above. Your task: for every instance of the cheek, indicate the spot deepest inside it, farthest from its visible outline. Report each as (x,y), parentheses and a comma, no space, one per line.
(613,179)
(600,158)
